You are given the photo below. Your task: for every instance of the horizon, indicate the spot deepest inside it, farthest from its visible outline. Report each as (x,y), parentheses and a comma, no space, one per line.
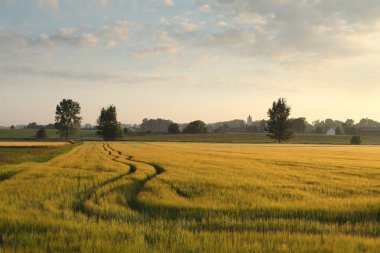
(212,60)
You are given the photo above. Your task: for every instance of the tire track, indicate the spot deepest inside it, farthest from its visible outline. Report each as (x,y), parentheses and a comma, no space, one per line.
(139,184)
(9,174)
(79,205)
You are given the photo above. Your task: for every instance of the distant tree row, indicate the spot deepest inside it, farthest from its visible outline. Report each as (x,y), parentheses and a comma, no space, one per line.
(67,120)
(279,126)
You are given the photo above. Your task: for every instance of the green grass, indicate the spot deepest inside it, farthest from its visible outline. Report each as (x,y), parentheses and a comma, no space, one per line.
(29,134)
(250,138)
(16,155)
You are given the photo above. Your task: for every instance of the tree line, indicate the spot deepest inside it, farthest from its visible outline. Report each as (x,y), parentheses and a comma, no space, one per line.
(279,125)
(67,121)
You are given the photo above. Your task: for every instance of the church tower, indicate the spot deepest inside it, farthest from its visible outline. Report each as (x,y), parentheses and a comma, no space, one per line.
(249,120)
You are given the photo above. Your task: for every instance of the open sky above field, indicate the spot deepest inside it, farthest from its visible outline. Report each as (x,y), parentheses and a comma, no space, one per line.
(212,60)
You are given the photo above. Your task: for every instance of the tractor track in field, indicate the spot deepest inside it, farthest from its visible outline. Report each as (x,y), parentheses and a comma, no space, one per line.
(8,175)
(139,184)
(79,205)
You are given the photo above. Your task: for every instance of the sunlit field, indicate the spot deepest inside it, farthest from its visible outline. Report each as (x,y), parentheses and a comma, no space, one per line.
(194,197)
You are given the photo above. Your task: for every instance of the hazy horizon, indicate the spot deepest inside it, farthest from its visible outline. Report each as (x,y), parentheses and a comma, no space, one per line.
(212,60)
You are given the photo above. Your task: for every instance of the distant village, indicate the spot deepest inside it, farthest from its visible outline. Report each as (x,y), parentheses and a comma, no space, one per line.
(299,125)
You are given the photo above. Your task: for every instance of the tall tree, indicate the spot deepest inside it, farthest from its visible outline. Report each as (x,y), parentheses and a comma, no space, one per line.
(67,118)
(108,126)
(279,126)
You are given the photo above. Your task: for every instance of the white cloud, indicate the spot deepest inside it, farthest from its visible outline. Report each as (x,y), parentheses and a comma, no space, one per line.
(48,4)
(304,28)
(251,18)
(205,8)
(103,3)
(65,37)
(66,31)
(188,27)
(120,30)
(88,40)
(164,21)
(111,44)
(168,2)
(165,44)
(150,52)
(220,23)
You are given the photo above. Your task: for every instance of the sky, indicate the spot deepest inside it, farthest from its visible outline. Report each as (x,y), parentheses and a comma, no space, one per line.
(212,60)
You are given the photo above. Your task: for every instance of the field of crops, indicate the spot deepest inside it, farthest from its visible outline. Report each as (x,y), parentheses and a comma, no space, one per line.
(194,197)
(255,138)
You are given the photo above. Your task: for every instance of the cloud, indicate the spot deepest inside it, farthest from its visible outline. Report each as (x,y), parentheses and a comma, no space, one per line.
(165,44)
(155,51)
(188,27)
(103,3)
(67,36)
(83,75)
(205,8)
(168,2)
(86,36)
(220,23)
(48,4)
(305,28)
(119,30)
(111,44)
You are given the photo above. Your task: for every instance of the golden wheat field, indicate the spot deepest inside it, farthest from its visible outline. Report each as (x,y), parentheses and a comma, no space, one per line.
(192,197)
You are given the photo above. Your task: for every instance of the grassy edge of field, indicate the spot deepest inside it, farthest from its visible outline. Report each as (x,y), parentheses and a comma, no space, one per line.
(49,153)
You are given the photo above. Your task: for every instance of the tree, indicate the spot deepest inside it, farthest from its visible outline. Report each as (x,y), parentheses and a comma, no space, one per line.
(173,128)
(279,126)
(195,127)
(12,127)
(319,130)
(41,134)
(349,127)
(67,118)
(155,125)
(108,126)
(299,125)
(338,131)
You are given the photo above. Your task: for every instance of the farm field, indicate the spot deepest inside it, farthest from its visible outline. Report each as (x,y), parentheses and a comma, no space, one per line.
(31,144)
(19,152)
(194,197)
(29,134)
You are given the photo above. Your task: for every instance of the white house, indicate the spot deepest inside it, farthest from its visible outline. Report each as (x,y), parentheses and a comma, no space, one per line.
(331,131)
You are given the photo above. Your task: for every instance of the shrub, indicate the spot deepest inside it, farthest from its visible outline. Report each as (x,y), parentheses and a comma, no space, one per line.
(356,140)
(41,134)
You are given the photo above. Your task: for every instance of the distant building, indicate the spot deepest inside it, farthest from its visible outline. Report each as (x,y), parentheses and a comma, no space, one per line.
(331,131)
(88,126)
(249,121)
